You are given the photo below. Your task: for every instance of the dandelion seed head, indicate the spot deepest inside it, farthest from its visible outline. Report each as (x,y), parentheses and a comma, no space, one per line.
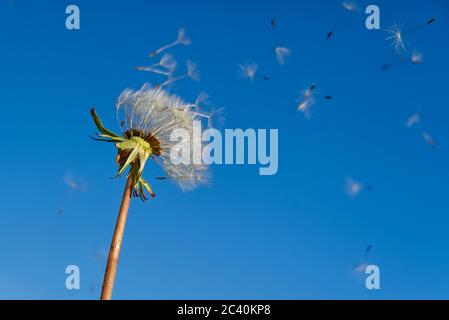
(281,54)
(155,114)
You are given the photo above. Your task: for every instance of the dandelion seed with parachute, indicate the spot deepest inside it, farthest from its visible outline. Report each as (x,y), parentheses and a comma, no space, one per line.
(414,119)
(281,54)
(397,35)
(416,58)
(74,183)
(308,99)
(214,116)
(429,139)
(248,71)
(396,38)
(192,73)
(182,39)
(353,188)
(349,6)
(166,66)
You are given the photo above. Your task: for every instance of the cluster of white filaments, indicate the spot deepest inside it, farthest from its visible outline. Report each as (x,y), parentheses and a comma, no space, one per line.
(154,112)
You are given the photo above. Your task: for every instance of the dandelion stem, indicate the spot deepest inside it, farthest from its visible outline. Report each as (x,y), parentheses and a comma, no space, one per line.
(116,244)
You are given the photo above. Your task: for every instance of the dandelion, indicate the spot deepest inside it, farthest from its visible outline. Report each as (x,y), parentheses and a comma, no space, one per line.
(182,39)
(354,188)
(281,53)
(397,35)
(147,116)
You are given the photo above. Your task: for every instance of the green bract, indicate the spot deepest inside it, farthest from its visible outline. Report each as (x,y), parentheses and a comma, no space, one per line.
(132,152)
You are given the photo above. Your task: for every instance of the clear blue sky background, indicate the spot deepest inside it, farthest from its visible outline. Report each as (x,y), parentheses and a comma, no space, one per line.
(292,235)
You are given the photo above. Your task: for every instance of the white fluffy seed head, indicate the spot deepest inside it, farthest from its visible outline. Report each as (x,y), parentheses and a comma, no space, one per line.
(154,111)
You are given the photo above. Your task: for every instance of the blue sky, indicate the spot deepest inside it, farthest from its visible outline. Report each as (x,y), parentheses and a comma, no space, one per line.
(294,235)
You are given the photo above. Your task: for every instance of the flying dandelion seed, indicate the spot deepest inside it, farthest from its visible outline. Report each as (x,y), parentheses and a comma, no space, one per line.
(153,70)
(416,58)
(281,54)
(73,183)
(368,249)
(214,116)
(182,39)
(349,6)
(361,268)
(149,116)
(248,71)
(308,99)
(414,119)
(397,35)
(428,139)
(166,66)
(396,38)
(192,73)
(354,188)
